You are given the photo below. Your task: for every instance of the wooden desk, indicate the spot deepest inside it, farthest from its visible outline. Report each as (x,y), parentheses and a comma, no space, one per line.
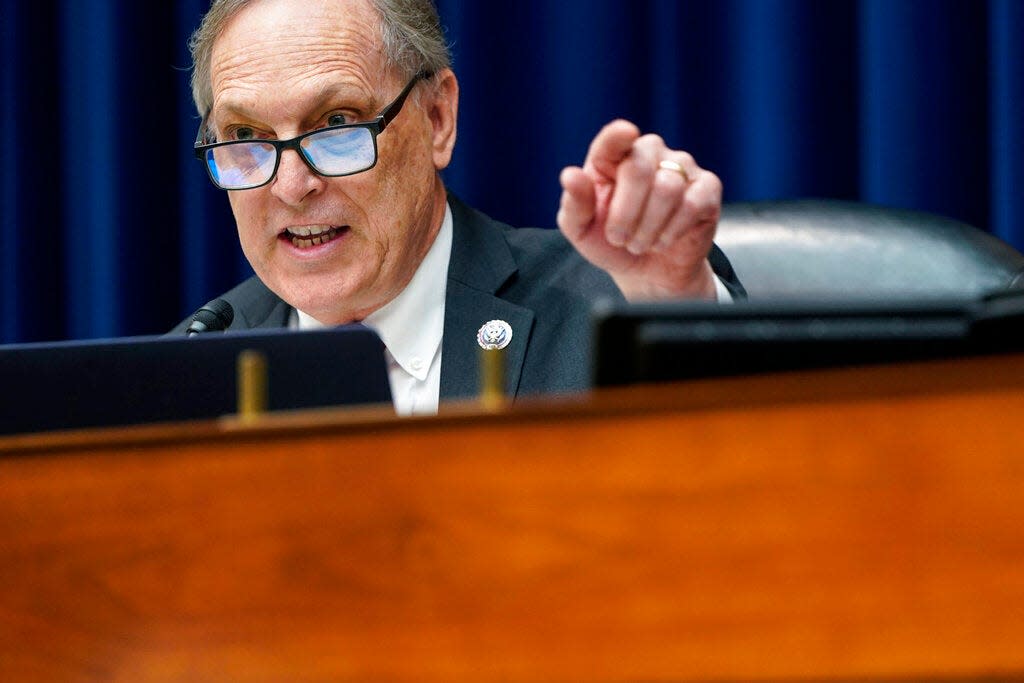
(843,524)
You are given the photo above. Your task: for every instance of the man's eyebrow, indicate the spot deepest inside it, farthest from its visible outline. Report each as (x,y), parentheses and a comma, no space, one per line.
(330,95)
(341,92)
(232,108)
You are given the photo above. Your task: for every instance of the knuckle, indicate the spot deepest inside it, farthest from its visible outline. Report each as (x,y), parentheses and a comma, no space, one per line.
(616,233)
(713,181)
(696,208)
(667,185)
(620,214)
(641,168)
(703,201)
(702,219)
(670,236)
(652,140)
(625,124)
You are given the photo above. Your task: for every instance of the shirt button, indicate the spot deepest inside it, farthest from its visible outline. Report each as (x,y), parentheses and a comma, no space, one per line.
(416,364)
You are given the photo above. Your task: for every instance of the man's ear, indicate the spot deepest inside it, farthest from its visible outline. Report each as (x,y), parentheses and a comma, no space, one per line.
(443,110)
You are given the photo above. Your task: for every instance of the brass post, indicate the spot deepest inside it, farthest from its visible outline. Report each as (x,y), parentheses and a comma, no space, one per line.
(492,378)
(252,385)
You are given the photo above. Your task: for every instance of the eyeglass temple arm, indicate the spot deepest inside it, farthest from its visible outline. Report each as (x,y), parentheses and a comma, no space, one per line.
(395,107)
(200,140)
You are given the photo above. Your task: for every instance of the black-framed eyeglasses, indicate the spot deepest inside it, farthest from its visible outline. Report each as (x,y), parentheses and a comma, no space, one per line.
(333,151)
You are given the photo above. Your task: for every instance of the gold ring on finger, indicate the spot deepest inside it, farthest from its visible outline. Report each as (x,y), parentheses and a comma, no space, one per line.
(669,165)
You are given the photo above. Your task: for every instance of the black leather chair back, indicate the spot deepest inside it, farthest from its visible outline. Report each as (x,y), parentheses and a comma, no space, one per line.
(830,249)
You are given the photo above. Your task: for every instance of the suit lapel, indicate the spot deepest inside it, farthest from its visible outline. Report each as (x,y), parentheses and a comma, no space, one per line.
(256,307)
(466,311)
(481,263)
(277,315)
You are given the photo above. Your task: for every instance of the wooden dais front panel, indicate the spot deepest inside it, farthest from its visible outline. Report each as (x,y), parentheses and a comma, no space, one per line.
(841,524)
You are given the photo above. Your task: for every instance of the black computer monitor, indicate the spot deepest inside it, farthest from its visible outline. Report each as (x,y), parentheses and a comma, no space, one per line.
(675,341)
(76,384)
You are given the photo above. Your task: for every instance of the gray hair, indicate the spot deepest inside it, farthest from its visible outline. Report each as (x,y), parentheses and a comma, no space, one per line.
(410,31)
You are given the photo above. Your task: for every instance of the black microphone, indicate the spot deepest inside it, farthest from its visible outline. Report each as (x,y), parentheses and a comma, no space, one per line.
(213,317)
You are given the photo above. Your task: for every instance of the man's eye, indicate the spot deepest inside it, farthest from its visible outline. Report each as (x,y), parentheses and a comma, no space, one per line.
(336,120)
(242,133)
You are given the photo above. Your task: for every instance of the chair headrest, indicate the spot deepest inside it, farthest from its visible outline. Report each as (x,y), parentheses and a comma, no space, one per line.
(848,250)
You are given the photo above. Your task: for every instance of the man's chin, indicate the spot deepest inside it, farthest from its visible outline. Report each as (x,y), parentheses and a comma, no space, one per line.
(328,305)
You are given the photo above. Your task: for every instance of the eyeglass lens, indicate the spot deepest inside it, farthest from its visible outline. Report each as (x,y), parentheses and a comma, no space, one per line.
(340,151)
(331,152)
(239,166)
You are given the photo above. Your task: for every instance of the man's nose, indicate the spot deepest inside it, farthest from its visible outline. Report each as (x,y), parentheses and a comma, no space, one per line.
(295,179)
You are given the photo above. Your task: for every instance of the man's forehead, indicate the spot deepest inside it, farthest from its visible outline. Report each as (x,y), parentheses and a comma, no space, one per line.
(296,16)
(283,44)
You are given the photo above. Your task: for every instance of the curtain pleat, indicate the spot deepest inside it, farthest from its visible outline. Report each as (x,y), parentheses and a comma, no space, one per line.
(1006,133)
(88,170)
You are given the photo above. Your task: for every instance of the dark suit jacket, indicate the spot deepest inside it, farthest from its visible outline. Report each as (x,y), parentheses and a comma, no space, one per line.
(531,278)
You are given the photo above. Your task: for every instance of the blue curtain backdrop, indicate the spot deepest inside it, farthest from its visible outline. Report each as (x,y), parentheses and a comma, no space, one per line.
(109,227)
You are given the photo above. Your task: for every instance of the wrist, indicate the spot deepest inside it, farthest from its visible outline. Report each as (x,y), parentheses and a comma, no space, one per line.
(698,284)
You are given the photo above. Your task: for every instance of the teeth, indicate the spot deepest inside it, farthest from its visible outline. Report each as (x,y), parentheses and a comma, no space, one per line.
(305,237)
(307,230)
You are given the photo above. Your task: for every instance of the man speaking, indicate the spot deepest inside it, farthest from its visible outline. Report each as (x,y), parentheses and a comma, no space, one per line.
(328,123)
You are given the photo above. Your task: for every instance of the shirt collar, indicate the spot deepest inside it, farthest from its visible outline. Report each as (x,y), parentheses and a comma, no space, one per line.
(411,325)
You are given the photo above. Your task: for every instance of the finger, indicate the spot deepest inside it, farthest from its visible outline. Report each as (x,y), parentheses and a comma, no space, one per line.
(633,182)
(681,166)
(665,200)
(698,215)
(610,146)
(578,204)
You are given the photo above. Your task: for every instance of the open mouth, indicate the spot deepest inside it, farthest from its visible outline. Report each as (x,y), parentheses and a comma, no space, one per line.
(308,236)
